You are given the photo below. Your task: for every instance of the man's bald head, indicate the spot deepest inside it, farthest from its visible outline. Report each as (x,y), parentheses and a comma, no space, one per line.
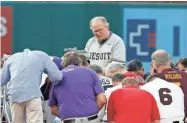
(129,81)
(161,57)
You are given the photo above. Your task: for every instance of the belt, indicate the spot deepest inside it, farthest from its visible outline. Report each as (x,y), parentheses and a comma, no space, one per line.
(175,121)
(104,121)
(89,119)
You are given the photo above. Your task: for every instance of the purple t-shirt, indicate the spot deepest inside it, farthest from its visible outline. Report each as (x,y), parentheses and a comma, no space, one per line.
(76,94)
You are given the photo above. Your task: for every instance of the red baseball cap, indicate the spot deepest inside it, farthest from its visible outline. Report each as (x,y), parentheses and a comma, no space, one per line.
(137,77)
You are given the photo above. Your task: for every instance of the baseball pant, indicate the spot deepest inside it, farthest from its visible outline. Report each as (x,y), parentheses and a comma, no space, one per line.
(48,117)
(29,111)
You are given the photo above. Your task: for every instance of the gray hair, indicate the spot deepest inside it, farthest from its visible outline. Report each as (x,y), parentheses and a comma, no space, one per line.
(96,68)
(71,58)
(101,18)
(161,57)
(114,66)
(129,81)
(83,59)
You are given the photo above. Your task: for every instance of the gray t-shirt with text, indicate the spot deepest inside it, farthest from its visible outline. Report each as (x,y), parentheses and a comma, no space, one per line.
(112,50)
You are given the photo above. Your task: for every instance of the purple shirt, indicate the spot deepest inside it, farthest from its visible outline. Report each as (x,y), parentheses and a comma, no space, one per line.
(76,94)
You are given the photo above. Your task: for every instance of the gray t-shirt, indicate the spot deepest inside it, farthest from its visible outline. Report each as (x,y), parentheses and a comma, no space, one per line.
(112,50)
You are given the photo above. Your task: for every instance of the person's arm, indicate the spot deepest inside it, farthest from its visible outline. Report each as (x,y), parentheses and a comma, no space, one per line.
(98,90)
(54,111)
(50,68)
(5,74)
(53,102)
(119,52)
(100,100)
(155,116)
(156,121)
(110,110)
(111,122)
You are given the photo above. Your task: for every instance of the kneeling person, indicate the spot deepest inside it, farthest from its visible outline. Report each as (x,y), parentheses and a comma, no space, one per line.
(106,81)
(79,96)
(169,97)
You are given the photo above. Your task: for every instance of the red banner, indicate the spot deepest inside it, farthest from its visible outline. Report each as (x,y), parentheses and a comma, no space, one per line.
(6,30)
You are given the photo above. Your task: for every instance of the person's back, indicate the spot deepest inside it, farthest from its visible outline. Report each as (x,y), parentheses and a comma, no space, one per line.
(78,90)
(176,77)
(136,99)
(172,75)
(170,99)
(22,72)
(162,64)
(132,105)
(26,69)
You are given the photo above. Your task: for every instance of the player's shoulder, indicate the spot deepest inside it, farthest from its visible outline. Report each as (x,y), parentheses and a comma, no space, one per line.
(116,38)
(146,94)
(115,92)
(183,73)
(156,82)
(92,39)
(89,70)
(159,75)
(14,56)
(40,54)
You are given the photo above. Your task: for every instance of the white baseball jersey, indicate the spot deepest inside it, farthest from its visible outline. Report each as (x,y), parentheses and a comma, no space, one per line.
(169,98)
(111,50)
(106,82)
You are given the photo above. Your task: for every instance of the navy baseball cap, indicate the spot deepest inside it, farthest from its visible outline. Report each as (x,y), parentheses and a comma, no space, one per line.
(58,61)
(134,65)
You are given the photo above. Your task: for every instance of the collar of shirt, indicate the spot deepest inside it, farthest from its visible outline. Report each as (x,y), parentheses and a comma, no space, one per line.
(114,88)
(169,69)
(70,66)
(131,86)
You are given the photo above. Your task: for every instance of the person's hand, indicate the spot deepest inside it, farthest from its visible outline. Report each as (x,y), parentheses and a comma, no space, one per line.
(185,120)
(6,97)
(47,81)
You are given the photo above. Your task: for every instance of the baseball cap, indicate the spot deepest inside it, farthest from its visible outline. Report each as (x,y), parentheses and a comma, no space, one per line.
(58,61)
(134,65)
(137,77)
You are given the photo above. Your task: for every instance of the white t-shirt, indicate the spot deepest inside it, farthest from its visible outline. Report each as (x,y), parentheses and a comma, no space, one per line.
(169,98)
(44,76)
(108,92)
(111,50)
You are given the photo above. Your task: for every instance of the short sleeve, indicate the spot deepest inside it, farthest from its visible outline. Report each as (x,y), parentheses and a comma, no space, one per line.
(97,83)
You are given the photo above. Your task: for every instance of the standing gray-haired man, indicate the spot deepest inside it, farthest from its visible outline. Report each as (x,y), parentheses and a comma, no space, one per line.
(105,46)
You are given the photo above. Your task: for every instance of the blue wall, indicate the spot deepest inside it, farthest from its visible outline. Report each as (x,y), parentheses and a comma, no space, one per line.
(170,31)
